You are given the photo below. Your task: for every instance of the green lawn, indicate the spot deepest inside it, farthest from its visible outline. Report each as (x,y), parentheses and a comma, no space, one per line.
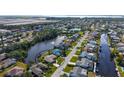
(49,72)
(91,74)
(59,60)
(74,59)
(68,52)
(22,65)
(84,42)
(68,68)
(81,33)
(74,44)
(6,70)
(120,71)
(78,52)
(119,68)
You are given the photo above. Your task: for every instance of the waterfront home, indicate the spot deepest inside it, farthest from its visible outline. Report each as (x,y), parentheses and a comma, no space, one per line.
(83,54)
(78,72)
(91,50)
(57,52)
(93,42)
(36,71)
(89,45)
(116,39)
(16,71)
(85,63)
(120,44)
(42,66)
(90,56)
(59,40)
(50,58)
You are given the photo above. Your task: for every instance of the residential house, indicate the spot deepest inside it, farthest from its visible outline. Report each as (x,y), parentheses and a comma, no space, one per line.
(7,62)
(78,72)
(120,44)
(16,71)
(50,58)
(90,56)
(37,71)
(86,64)
(2,57)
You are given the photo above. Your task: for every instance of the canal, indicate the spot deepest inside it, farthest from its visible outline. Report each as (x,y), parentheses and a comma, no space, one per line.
(106,68)
(42,47)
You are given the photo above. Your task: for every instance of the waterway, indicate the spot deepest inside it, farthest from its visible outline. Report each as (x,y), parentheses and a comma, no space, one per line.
(42,47)
(106,68)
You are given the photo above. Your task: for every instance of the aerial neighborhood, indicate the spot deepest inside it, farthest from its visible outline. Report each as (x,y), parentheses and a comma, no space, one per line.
(61,47)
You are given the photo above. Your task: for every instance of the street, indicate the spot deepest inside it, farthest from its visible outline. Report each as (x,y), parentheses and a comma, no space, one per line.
(58,72)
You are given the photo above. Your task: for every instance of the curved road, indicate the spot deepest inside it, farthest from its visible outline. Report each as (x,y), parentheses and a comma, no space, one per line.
(106,68)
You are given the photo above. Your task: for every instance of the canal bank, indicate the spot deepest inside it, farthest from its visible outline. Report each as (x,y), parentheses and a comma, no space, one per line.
(42,47)
(106,68)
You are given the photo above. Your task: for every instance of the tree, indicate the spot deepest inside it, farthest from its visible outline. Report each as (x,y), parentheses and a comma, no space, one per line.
(1,37)
(119,57)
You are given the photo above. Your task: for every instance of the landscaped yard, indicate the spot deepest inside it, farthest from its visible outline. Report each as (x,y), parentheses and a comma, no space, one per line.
(74,44)
(22,65)
(68,52)
(119,68)
(78,52)
(84,42)
(120,71)
(41,58)
(5,70)
(59,60)
(91,74)
(81,33)
(49,72)
(68,68)
(74,59)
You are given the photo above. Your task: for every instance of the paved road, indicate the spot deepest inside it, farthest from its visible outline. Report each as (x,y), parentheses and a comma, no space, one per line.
(106,67)
(59,70)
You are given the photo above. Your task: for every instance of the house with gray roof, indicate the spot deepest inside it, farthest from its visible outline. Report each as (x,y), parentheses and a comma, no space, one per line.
(78,72)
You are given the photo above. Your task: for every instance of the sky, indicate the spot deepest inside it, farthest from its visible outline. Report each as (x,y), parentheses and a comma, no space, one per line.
(61,7)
